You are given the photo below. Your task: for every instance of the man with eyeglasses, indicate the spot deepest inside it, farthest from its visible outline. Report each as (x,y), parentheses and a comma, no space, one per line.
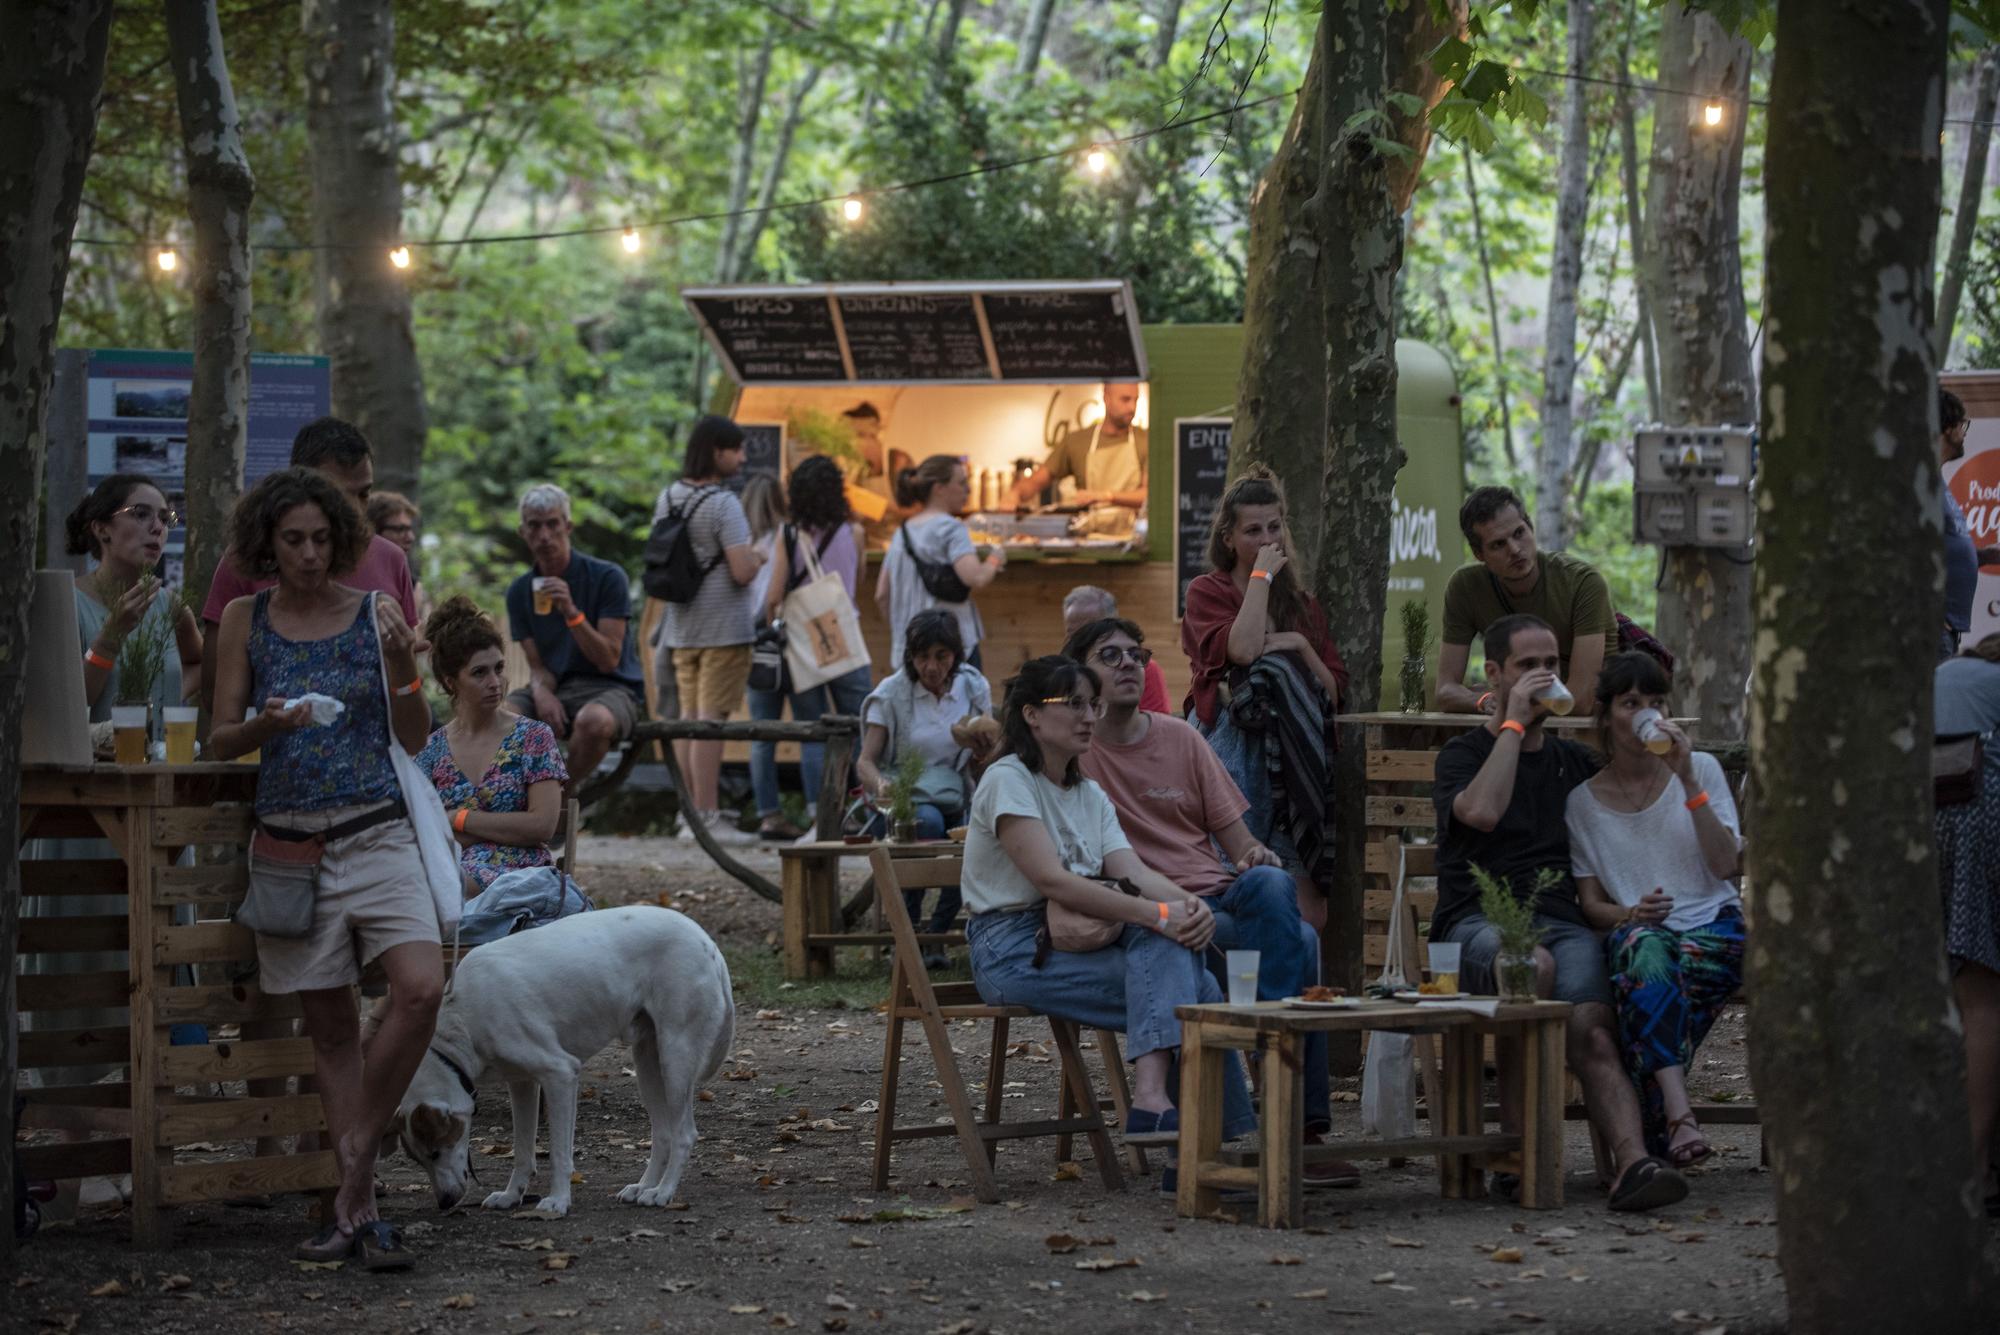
(1177,805)
(1087,603)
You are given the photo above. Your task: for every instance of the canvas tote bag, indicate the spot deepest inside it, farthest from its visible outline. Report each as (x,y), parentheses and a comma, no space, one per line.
(822,629)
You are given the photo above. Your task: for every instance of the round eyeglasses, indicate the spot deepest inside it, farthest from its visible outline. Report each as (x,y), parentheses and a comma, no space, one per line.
(1111,655)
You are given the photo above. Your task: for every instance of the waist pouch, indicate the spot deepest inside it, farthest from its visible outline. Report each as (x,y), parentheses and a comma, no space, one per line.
(284,872)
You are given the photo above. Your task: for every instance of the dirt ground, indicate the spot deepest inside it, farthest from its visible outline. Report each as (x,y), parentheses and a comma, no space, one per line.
(776,1226)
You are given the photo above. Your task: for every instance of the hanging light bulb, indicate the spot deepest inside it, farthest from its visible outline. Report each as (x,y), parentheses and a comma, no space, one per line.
(400,257)
(1711,115)
(630,240)
(1097,160)
(850,208)
(166,259)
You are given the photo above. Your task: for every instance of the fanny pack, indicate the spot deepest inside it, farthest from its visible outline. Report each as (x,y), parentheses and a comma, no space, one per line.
(1955,766)
(1077,932)
(284,871)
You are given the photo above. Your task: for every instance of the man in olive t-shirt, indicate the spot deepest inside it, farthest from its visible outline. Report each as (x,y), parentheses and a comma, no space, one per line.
(1511,576)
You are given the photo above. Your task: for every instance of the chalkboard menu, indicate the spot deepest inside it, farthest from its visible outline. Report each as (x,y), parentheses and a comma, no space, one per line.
(913,336)
(1201,467)
(1073,335)
(774,337)
(763,452)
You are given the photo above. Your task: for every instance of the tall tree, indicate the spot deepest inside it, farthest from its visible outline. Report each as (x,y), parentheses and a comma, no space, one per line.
(1635,217)
(1495,330)
(1169,21)
(1971,191)
(51,77)
(1854,1046)
(362,301)
(1034,35)
(220,188)
(1693,278)
(1565,280)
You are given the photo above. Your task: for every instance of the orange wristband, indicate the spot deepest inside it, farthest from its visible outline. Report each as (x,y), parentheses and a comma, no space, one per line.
(575,621)
(412,688)
(1264,575)
(1510,725)
(95,659)
(1480,703)
(458,818)
(1697,802)
(1163,914)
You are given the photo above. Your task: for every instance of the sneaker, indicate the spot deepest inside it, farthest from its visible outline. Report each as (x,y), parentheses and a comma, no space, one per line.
(685,831)
(1329,1172)
(1153,1128)
(777,829)
(722,825)
(936,959)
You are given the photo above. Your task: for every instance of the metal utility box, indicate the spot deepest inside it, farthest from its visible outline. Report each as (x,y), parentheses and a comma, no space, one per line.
(1692,485)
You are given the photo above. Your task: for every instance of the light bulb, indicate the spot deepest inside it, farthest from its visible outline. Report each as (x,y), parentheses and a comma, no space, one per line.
(1712,114)
(630,240)
(400,257)
(166,259)
(1097,160)
(850,208)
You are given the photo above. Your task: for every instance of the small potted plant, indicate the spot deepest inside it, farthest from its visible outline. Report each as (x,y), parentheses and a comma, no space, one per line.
(1416,643)
(903,797)
(1514,919)
(142,656)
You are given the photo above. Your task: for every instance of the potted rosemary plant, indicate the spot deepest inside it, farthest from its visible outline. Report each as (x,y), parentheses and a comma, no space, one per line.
(902,796)
(142,656)
(1416,643)
(1514,919)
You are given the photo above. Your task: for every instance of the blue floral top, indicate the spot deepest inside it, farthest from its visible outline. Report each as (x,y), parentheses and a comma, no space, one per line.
(527,756)
(345,763)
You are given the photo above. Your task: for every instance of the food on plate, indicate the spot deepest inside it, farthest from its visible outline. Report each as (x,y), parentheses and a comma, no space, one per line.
(1434,989)
(1319,992)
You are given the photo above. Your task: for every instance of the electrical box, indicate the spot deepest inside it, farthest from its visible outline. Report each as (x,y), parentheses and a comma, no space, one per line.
(1691,485)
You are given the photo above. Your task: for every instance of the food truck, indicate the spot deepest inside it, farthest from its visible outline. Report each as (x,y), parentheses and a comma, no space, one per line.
(1007,375)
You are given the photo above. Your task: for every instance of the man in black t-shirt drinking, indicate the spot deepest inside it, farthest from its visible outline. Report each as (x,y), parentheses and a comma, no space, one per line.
(1501,792)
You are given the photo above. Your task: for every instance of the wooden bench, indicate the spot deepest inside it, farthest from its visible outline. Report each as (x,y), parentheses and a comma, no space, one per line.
(813,923)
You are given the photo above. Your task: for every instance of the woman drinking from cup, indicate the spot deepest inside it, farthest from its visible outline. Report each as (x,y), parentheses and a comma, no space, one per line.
(337,879)
(1653,843)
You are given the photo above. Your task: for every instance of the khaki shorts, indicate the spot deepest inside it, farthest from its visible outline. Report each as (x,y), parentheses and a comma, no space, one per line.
(577,692)
(372,895)
(712,679)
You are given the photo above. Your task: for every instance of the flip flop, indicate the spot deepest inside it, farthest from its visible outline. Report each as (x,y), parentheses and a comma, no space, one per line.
(379,1244)
(1648,1185)
(329,1244)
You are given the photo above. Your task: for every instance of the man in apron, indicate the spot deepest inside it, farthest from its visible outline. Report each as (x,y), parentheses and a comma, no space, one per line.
(1107,460)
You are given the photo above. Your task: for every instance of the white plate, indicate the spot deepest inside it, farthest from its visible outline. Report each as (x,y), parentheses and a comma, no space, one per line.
(1440,996)
(1338,1003)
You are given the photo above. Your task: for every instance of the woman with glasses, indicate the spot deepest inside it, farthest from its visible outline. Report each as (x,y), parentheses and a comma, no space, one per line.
(395,516)
(1040,832)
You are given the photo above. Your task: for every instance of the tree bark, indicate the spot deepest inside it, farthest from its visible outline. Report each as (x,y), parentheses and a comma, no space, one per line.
(1163,36)
(1635,221)
(774,171)
(1565,280)
(1497,330)
(51,78)
(947,42)
(1034,35)
(1694,272)
(1855,1048)
(1971,193)
(363,301)
(220,188)
(743,158)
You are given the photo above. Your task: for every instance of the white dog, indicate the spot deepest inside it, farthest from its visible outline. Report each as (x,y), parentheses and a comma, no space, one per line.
(537,1005)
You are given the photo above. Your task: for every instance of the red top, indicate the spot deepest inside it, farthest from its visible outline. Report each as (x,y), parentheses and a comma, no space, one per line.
(383,569)
(1212,604)
(1153,697)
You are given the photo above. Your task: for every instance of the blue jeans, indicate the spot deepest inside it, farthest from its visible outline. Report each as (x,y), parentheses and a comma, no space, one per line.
(1131,987)
(1242,755)
(842,695)
(1259,911)
(931,824)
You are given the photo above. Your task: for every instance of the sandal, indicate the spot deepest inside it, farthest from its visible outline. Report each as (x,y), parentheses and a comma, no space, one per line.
(1692,1152)
(379,1244)
(1647,1185)
(329,1244)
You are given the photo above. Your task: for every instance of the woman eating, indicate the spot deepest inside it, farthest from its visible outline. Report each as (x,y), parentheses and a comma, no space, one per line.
(506,816)
(1653,842)
(1041,832)
(328,802)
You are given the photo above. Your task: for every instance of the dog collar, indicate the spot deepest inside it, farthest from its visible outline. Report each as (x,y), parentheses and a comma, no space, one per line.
(459,1071)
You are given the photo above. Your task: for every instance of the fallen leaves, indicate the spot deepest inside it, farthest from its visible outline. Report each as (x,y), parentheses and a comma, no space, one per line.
(1142,1296)
(745,1309)
(1068,1172)
(461,1302)
(1108,1263)
(1310,1295)
(1395,1241)
(558,1260)
(175,1283)
(1505,1255)
(1286,1258)
(110,1288)
(530,1244)
(307,1265)
(1063,1243)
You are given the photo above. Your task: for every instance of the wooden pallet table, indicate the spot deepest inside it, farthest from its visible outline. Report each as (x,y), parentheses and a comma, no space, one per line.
(809,889)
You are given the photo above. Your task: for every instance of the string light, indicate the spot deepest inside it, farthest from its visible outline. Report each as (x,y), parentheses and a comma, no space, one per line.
(1097,160)
(850,208)
(1711,115)
(166,259)
(630,240)
(400,257)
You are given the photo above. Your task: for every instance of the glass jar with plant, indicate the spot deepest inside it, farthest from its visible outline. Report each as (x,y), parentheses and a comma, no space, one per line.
(1514,919)
(903,796)
(142,656)
(1416,643)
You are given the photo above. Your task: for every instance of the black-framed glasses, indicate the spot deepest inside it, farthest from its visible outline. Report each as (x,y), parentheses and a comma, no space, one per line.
(1111,655)
(1089,705)
(146,514)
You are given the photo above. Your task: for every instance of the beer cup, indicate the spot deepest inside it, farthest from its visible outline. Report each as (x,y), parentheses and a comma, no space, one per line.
(179,727)
(1646,727)
(129,733)
(545,602)
(1555,698)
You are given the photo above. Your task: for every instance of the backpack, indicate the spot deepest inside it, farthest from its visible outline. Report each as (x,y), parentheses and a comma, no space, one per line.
(940,580)
(1633,636)
(673,572)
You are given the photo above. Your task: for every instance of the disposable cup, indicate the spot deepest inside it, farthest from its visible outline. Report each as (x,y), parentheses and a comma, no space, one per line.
(1646,727)
(128,733)
(1444,965)
(1242,966)
(1555,698)
(179,722)
(545,601)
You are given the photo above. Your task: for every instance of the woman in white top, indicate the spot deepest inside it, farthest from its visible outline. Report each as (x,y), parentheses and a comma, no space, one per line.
(1040,831)
(1653,843)
(935,537)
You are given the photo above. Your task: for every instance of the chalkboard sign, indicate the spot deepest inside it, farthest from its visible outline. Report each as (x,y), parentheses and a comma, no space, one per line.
(1074,335)
(774,338)
(1201,467)
(913,336)
(763,452)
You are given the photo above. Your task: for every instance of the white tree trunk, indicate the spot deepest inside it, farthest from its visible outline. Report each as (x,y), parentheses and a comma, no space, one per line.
(1163,36)
(1565,279)
(774,171)
(743,158)
(1971,193)
(1034,34)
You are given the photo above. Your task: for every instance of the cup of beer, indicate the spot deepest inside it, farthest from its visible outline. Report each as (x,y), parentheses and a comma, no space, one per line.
(1646,727)
(1555,698)
(130,729)
(1444,966)
(545,601)
(179,721)
(254,755)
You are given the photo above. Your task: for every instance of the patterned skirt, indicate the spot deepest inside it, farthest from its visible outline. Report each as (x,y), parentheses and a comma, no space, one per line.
(1968,847)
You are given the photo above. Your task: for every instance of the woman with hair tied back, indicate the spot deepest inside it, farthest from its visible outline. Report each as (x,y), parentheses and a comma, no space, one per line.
(500,774)
(933,549)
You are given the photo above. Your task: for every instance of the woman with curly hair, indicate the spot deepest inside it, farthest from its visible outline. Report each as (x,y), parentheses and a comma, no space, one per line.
(501,774)
(332,825)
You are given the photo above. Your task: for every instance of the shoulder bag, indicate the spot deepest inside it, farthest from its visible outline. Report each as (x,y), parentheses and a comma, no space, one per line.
(1956,763)
(427,818)
(941,581)
(822,629)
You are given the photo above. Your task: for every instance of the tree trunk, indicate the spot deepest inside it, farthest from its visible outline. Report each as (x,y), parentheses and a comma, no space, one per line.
(774,171)
(1694,271)
(1492,309)
(1855,1048)
(1361,248)
(947,42)
(1635,221)
(1163,36)
(1279,419)
(743,159)
(1034,34)
(363,301)
(220,188)
(1971,193)
(51,76)
(1565,279)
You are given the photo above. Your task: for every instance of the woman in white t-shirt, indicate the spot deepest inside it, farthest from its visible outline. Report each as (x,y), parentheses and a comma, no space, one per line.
(1040,831)
(1653,842)
(937,537)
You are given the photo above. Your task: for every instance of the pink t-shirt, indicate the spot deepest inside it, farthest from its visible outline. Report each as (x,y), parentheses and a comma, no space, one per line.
(1171,793)
(383,569)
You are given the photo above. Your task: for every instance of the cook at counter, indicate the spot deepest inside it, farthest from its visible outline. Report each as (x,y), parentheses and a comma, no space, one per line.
(1107,460)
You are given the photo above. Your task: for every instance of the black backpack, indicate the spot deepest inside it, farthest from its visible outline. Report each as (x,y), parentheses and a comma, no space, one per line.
(939,578)
(673,572)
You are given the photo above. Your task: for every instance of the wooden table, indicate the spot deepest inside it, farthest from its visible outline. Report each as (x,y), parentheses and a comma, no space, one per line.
(809,890)
(150,813)
(1275,1034)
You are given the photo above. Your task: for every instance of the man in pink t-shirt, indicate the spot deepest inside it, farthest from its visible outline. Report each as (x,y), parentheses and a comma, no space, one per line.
(1183,815)
(338,450)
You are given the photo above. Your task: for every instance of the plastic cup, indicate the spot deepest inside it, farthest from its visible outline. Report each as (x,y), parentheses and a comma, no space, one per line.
(1555,698)
(1444,965)
(1242,967)
(545,601)
(128,733)
(1646,727)
(179,724)
(255,754)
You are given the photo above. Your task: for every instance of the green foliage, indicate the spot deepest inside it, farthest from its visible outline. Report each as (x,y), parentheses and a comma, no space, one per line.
(822,433)
(903,787)
(142,654)
(1416,627)
(1512,916)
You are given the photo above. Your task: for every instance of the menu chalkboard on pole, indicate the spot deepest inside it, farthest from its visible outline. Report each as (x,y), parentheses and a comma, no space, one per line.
(1201,468)
(1072,335)
(763,452)
(913,336)
(774,337)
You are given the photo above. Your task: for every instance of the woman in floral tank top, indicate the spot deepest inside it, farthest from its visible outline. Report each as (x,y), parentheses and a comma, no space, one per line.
(506,817)
(332,824)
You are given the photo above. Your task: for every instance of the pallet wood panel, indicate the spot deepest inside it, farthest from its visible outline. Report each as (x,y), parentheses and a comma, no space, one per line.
(224,824)
(1375,904)
(1418,859)
(219,883)
(251,1059)
(1402,766)
(75,1047)
(74,1159)
(241,1119)
(1414,813)
(71,991)
(81,935)
(63,877)
(203,943)
(223,1003)
(191,1183)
